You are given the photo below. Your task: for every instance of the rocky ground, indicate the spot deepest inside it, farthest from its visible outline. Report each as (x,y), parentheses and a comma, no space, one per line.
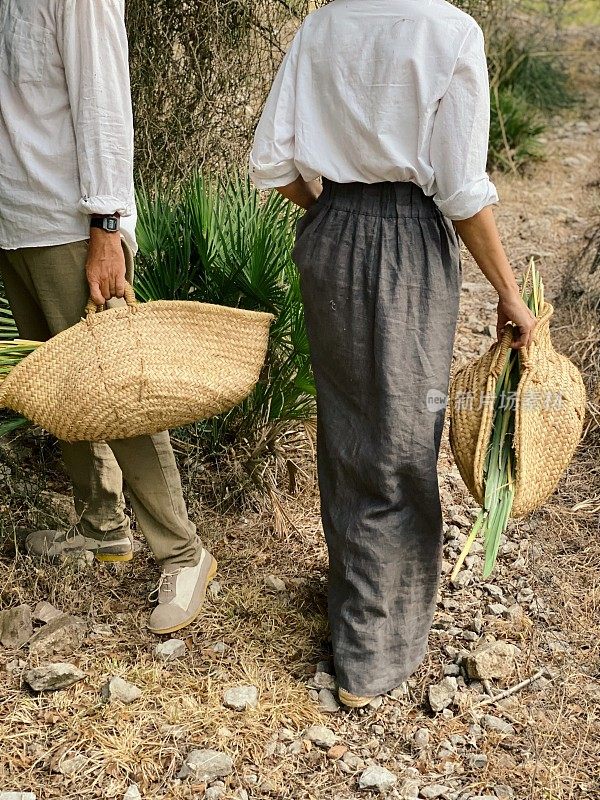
(504,706)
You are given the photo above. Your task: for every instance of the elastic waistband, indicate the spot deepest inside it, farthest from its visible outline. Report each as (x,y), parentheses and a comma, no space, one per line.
(384,199)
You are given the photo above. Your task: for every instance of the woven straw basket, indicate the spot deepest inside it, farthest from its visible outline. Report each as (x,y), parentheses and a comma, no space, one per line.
(549,409)
(139,369)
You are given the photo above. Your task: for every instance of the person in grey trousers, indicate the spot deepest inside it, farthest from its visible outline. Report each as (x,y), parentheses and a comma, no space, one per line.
(387,102)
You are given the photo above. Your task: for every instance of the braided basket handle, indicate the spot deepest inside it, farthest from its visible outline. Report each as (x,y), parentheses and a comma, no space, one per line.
(129,296)
(503,347)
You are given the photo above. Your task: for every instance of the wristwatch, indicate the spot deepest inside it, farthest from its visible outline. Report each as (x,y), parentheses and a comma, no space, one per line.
(108,223)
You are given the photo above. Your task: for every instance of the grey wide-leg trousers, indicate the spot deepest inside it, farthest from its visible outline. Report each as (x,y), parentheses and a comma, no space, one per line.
(380,274)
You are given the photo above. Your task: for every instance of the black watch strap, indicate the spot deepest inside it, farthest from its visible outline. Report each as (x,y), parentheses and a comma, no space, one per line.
(109,223)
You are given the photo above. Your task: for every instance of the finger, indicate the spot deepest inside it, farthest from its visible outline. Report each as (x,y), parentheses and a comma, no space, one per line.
(96,294)
(519,341)
(119,286)
(105,288)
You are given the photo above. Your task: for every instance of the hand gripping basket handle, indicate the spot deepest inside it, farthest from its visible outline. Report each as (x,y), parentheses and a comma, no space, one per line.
(129,296)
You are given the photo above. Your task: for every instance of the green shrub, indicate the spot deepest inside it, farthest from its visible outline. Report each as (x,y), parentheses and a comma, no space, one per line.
(515,128)
(528,82)
(220,242)
(539,77)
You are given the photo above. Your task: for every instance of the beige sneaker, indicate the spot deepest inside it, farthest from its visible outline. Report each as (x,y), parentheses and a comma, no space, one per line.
(54,544)
(180,594)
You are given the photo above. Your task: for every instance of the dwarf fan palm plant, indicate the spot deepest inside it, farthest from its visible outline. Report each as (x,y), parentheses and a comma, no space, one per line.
(221,242)
(12,351)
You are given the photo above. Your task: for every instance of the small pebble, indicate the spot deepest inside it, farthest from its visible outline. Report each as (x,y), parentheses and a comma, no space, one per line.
(321,736)
(170,650)
(240,698)
(275,584)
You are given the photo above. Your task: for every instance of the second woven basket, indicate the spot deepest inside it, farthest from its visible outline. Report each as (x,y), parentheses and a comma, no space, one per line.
(140,369)
(549,410)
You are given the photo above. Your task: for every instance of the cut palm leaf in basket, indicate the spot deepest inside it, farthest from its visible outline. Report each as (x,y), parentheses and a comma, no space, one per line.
(499,467)
(12,351)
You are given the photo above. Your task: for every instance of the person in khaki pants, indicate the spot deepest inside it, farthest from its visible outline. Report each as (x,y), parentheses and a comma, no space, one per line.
(67,233)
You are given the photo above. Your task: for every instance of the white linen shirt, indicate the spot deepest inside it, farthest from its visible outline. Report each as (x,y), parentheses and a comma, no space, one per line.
(382,90)
(66,126)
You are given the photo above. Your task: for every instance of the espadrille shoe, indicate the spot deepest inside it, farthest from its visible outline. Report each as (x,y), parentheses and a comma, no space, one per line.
(180,595)
(52,545)
(353,700)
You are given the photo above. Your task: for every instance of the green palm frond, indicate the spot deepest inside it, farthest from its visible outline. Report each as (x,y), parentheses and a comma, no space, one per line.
(220,241)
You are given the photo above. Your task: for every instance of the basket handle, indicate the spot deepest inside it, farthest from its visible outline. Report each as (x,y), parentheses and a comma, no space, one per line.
(129,296)
(502,347)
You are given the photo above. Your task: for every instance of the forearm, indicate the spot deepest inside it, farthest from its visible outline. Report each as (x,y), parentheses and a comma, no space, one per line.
(302,193)
(481,237)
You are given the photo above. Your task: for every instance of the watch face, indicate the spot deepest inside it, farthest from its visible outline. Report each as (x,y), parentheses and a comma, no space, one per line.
(111,224)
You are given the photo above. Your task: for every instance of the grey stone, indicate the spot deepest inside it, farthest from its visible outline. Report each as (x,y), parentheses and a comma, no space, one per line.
(421,737)
(409,790)
(461,521)
(15,666)
(376,777)
(52,677)
(525,595)
(434,790)
(497,724)
(78,560)
(240,698)
(17,796)
(45,612)
(503,792)
(451,670)
(495,659)
(61,636)
(220,647)
(214,587)
(206,765)
(132,793)
(498,609)
(323,680)
(463,579)
(214,793)
(442,694)
(353,761)
(275,584)
(328,702)
(170,650)
(118,689)
(494,591)
(72,764)
(15,626)
(477,761)
(400,692)
(321,736)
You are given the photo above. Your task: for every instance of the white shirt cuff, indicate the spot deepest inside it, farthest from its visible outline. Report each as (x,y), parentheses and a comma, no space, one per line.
(468,201)
(106,205)
(272,176)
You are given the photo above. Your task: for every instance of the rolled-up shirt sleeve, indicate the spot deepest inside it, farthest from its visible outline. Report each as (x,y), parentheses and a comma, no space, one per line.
(93,44)
(271,160)
(460,136)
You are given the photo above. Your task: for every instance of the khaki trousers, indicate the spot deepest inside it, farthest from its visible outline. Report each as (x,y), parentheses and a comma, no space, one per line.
(47,290)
